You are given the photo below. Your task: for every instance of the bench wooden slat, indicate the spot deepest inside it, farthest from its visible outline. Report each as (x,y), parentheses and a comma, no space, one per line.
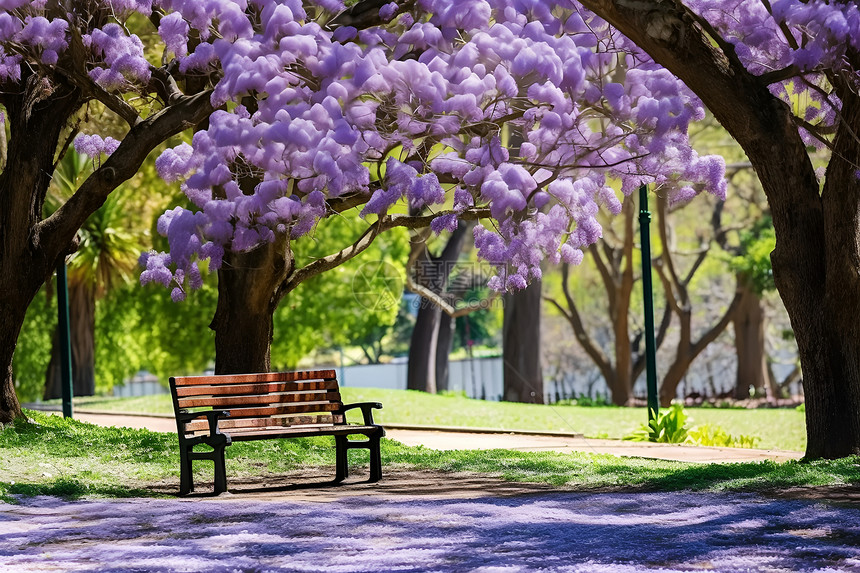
(219,402)
(252,378)
(301,432)
(255,388)
(227,423)
(305,408)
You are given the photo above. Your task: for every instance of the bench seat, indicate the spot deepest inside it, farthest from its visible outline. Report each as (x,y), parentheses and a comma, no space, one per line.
(218,410)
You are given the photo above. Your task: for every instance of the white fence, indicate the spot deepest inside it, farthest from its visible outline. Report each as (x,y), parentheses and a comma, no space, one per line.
(478,378)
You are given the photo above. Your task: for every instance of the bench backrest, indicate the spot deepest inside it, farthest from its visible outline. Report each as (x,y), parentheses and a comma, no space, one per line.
(260,401)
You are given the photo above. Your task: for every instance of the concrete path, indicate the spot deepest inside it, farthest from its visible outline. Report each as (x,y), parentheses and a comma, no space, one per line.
(532,442)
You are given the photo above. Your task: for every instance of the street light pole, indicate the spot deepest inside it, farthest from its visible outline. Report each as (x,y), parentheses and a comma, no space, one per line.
(647,291)
(64,339)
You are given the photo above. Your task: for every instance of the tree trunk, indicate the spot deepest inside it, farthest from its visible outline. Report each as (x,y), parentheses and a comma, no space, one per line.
(444,343)
(423,347)
(824,316)
(12,311)
(428,357)
(247,298)
(749,326)
(521,347)
(82,324)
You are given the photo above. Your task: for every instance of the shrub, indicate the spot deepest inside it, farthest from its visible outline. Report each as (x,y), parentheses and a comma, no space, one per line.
(710,435)
(670,427)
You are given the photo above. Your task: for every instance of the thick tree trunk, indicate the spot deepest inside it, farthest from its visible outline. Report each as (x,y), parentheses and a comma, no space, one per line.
(521,347)
(749,326)
(12,311)
(248,295)
(82,321)
(825,320)
(423,347)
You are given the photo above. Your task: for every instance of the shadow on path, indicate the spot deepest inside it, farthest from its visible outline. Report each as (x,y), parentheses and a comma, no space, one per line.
(550,531)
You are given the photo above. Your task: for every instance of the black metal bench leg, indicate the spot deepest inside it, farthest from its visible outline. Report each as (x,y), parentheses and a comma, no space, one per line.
(186,476)
(220,470)
(375,459)
(341,460)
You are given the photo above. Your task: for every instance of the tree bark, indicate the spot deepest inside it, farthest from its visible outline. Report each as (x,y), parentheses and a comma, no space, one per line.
(444,343)
(521,346)
(248,294)
(423,349)
(82,324)
(428,357)
(749,327)
(816,262)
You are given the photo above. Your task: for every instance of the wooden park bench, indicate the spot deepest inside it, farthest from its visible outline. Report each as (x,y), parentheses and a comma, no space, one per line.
(219,410)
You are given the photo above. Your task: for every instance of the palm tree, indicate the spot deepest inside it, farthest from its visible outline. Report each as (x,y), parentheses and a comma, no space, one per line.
(106,258)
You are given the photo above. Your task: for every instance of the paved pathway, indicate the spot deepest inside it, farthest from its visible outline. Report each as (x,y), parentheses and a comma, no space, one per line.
(464,440)
(566,532)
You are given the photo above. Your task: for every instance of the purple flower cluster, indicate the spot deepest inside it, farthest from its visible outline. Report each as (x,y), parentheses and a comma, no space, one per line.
(330,108)
(536,112)
(94,145)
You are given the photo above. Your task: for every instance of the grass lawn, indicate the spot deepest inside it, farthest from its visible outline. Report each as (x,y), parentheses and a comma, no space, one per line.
(66,457)
(776,428)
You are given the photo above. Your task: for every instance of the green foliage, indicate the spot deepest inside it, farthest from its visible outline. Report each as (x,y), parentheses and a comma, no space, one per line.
(356,302)
(754,264)
(711,435)
(668,427)
(33,352)
(141,328)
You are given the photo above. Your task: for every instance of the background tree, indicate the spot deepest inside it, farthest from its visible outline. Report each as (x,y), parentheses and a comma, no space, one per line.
(432,335)
(521,346)
(676,287)
(613,258)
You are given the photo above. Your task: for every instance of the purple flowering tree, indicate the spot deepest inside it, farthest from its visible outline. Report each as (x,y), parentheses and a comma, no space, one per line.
(399,109)
(58,59)
(405,103)
(782,76)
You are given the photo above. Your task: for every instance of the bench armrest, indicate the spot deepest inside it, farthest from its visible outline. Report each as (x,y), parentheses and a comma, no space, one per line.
(184,416)
(366,408)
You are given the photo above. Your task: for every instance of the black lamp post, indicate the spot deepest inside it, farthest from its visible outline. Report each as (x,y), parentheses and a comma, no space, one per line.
(650,344)
(65,339)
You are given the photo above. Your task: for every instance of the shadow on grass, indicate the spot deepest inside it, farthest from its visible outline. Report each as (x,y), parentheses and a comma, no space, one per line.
(71,489)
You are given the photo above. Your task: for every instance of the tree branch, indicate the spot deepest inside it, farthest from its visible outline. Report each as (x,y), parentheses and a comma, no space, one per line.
(384,223)
(600,360)
(57,231)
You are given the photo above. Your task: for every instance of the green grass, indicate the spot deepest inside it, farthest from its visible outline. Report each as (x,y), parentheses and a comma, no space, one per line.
(58,456)
(777,429)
